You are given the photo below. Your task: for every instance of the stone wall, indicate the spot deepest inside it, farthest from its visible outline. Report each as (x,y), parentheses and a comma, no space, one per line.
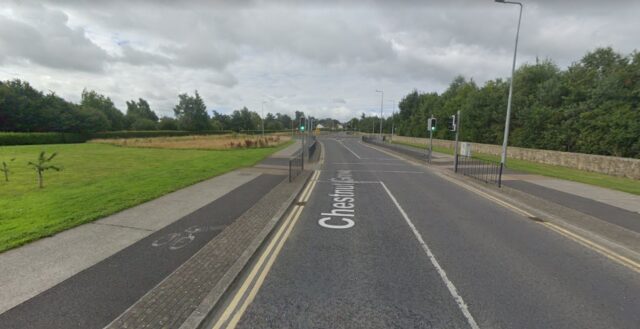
(615,166)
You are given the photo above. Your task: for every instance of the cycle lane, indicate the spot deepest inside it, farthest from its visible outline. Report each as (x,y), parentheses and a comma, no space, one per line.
(95,296)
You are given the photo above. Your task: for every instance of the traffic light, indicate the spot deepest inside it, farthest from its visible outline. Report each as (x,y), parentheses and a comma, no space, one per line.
(431,124)
(451,123)
(302,124)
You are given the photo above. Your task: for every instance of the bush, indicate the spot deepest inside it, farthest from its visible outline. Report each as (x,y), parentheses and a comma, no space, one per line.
(12,138)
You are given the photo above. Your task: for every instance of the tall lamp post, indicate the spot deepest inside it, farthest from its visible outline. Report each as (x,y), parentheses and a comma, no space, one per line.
(262,118)
(381,104)
(393,118)
(503,159)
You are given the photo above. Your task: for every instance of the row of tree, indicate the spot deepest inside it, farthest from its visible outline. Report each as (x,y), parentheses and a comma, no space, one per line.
(593,106)
(25,109)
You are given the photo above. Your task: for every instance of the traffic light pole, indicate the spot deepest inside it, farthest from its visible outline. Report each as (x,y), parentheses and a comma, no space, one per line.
(431,139)
(455,152)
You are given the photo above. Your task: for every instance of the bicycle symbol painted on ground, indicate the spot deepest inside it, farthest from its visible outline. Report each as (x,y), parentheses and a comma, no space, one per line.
(179,240)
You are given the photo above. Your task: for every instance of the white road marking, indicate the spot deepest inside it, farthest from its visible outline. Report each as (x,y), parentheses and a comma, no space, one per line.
(452,288)
(392,171)
(367,163)
(350,150)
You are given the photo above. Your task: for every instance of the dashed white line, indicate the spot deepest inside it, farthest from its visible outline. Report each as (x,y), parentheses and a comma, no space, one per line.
(452,288)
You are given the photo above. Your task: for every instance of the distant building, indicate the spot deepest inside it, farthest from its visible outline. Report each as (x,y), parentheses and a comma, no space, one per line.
(319,126)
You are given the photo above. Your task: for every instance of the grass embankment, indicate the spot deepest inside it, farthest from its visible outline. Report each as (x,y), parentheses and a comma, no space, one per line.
(98,180)
(616,183)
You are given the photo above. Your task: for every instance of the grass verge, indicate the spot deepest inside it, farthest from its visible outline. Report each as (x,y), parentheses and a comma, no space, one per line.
(612,182)
(98,180)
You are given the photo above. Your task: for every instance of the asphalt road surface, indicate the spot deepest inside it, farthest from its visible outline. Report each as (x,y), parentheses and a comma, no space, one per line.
(385,244)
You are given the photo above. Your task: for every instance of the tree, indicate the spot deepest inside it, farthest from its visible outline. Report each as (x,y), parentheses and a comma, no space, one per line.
(167,123)
(242,120)
(191,113)
(93,100)
(43,165)
(139,111)
(220,121)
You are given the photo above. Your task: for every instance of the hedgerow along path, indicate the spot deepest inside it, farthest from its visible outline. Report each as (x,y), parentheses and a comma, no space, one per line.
(98,180)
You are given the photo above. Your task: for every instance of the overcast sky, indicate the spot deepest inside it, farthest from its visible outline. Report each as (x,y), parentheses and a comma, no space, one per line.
(326,58)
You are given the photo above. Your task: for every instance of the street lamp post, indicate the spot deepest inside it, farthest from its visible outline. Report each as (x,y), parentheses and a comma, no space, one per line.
(503,159)
(393,118)
(381,104)
(262,118)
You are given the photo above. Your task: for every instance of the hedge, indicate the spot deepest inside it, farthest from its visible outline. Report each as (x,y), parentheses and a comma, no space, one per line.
(11,138)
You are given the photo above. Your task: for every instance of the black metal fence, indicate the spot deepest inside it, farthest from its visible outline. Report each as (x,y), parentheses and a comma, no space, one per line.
(296,166)
(483,170)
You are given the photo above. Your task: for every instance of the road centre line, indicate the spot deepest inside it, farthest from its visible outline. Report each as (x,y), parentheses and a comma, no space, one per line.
(452,288)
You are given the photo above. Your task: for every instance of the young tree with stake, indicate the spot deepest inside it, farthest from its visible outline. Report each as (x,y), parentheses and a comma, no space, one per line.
(42,165)
(5,169)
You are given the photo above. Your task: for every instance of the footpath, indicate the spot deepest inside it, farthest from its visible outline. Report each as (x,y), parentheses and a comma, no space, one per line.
(152,265)
(610,217)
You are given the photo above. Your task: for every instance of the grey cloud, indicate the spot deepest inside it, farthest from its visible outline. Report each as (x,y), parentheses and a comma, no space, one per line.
(135,56)
(44,38)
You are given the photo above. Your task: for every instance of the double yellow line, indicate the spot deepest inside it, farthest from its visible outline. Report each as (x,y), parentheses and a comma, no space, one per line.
(251,285)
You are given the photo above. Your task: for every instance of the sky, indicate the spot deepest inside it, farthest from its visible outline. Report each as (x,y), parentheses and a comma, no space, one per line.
(326,58)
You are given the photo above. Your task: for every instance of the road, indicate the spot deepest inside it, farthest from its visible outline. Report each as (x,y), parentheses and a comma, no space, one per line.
(381,243)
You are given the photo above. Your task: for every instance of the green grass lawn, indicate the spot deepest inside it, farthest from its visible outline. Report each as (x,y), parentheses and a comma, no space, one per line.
(616,183)
(98,180)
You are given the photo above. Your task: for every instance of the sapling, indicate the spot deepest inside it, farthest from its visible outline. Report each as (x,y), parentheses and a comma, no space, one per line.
(5,169)
(43,165)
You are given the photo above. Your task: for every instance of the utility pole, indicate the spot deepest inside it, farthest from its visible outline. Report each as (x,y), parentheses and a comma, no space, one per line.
(455,158)
(262,119)
(393,119)
(381,105)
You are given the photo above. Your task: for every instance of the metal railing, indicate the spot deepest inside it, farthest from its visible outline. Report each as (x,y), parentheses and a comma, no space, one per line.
(296,165)
(483,170)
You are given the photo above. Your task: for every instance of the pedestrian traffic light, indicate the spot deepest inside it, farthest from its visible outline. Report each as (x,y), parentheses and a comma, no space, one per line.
(431,124)
(451,123)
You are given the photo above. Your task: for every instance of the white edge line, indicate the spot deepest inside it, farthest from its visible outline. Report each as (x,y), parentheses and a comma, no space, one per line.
(452,288)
